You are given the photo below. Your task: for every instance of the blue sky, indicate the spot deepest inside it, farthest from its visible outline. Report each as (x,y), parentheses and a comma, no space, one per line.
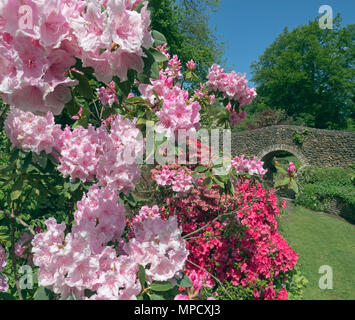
(249,27)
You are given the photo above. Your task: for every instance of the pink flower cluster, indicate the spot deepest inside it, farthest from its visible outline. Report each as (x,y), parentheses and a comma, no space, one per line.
(191,65)
(107,155)
(234,86)
(107,94)
(39,40)
(251,166)
(32,133)
(164,50)
(180,180)
(69,264)
(177,112)
(159,244)
(80,152)
(117,168)
(198,282)
(100,206)
(35,53)
(81,260)
(291,168)
(234,116)
(22,246)
(204,93)
(3,279)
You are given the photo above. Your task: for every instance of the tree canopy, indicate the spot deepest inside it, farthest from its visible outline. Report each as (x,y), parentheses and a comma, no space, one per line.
(309,72)
(185,23)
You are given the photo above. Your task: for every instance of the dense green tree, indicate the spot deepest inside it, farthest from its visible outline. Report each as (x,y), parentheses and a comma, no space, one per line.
(309,72)
(185,24)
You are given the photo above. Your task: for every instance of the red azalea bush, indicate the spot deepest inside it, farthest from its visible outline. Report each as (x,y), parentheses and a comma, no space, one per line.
(234,238)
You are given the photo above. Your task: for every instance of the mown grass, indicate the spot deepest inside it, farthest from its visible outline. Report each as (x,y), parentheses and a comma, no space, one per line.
(320,239)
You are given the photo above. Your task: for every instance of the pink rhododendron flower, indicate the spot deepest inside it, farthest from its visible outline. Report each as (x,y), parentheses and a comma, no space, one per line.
(144,214)
(32,133)
(78,115)
(107,95)
(101,206)
(180,181)
(174,68)
(234,86)
(291,168)
(191,65)
(236,117)
(23,244)
(164,177)
(163,49)
(80,152)
(251,166)
(212,99)
(177,114)
(81,260)
(159,244)
(117,168)
(36,56)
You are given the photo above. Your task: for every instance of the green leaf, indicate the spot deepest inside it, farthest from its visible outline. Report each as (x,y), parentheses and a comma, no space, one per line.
(195,175)
(124,87)
(141,275)
(161,286)
(42,160)
(282,182)
(72,107)
(281,170)
(14,155)
(74,186)
(185,282)
(143,78)
(158,56)
(18,184)
(155,296)
(151,67)
(136,100)
(53,159)
(15,195)
(294,185)
(41,294)
(201,169)
(83,87)
(208,174)
(159,39)
(27,160)
(220,183)
(208,183)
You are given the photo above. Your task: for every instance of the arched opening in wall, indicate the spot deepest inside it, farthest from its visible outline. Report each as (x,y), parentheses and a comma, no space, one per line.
(283,158)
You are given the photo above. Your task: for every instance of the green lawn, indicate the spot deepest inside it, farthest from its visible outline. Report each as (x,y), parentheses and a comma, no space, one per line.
(320,239)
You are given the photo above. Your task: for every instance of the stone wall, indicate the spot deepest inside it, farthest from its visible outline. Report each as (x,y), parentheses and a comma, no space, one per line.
(322,148)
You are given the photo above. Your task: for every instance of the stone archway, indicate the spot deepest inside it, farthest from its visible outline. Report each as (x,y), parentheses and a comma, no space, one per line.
(267,153)
(322,148)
